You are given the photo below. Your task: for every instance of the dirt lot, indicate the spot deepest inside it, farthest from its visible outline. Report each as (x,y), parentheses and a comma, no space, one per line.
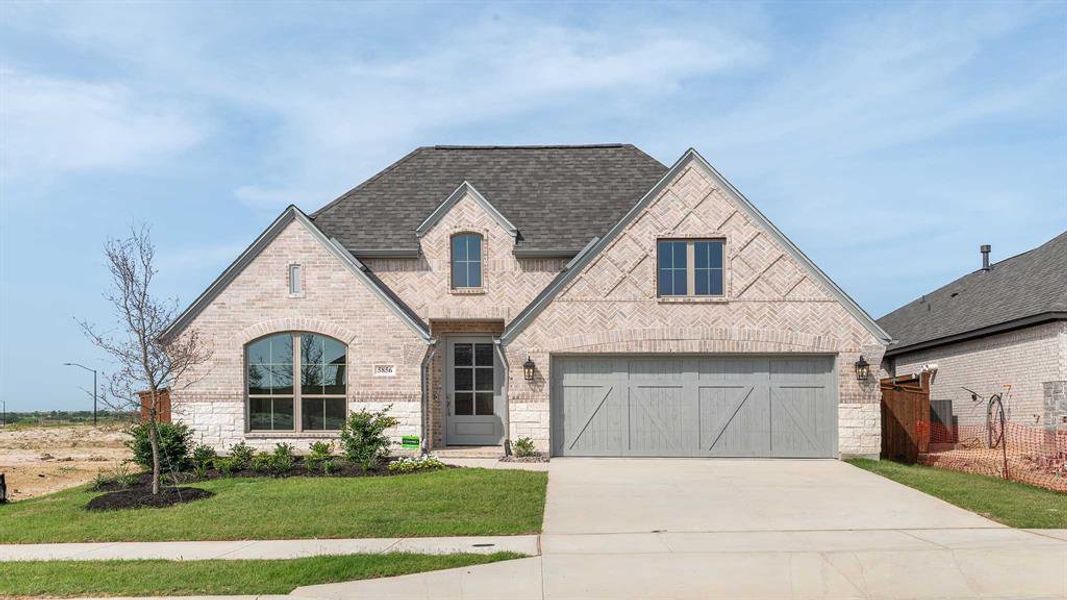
(40,460)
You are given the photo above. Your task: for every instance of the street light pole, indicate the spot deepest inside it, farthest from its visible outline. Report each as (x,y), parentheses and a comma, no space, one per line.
(94,386)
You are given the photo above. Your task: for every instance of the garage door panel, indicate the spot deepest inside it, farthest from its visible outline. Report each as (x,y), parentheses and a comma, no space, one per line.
(724,406)
(797,422)
(734,421)
(593,420)
(659,421)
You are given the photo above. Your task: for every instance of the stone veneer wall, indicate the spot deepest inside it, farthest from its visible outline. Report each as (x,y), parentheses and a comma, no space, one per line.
(772,305)
(1025,359)
(334,302)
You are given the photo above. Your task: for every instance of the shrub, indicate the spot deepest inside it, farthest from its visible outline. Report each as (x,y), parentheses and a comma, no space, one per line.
(174,442)
(241,454)
(321,458)
(524,446)
(225,465)
(411,465)
(363,437)
(261,462)
(282,459)
(204,458)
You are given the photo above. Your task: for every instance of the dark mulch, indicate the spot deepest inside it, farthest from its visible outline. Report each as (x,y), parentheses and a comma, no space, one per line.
(142,497)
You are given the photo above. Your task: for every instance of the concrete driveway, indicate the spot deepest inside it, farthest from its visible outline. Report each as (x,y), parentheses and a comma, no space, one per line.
(617,528)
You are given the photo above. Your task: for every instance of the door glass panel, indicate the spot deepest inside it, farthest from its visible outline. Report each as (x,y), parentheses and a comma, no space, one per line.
(462,354)
(483,355)
(464,379)
(483,379)
(485,403)
(464,403)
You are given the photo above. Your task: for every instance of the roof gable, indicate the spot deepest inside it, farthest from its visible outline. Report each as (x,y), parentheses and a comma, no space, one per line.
(690,158)
(289,215)
(465,189)
(1016,290)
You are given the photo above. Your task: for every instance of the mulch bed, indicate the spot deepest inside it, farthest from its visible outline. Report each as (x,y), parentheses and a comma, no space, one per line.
(142,497)
(525,459)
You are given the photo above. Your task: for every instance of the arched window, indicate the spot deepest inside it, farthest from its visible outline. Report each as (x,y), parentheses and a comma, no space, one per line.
(315,403)
(466,261)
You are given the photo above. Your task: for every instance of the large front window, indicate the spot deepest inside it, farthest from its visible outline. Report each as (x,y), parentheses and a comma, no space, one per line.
(315,403)
(467,261)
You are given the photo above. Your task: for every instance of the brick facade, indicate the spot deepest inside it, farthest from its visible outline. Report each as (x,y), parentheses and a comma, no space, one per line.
(335,302)
(773,304)
(1026,359)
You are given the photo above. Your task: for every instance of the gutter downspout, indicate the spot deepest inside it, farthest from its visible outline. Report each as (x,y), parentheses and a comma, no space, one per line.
(498,345)
(424,378)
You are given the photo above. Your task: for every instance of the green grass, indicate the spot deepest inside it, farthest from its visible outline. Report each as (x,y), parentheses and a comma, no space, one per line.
(174,578)
(443,503)
(1014,504)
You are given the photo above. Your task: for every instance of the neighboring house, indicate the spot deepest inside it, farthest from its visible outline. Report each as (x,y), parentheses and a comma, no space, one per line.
(1001,329)
(587,297)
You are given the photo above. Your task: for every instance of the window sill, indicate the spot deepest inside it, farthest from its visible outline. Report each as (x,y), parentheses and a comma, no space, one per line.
(300,295)
(692,299)
(292,434)
(468,291)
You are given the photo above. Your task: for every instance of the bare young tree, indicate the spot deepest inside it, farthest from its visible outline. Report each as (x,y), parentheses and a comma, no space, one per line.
(144,361)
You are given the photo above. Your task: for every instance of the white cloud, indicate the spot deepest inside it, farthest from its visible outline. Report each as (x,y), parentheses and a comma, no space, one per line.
(51,126)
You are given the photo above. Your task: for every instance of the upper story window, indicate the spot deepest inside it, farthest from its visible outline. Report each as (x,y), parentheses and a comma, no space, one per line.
(467,261)
(689,267)
(296,285)
(275,362)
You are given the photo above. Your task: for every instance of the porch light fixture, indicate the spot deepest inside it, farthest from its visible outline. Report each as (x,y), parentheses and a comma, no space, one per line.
(863,369)
(528,369)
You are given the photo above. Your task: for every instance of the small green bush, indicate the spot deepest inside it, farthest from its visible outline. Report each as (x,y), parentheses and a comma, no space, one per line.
(321,458)
(175,440)
(523,447)
(411,465)
(363,437)
(282,459)
(261,462)
(225,465)
(204,458)
(241,454)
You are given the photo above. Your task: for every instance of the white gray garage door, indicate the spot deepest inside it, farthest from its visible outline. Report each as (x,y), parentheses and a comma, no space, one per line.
(769,406)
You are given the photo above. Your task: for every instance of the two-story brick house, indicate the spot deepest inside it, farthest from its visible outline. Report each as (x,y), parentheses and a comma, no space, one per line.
(587,297)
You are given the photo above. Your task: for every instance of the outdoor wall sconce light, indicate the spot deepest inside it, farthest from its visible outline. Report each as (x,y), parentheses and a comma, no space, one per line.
(528,369)
(863,369)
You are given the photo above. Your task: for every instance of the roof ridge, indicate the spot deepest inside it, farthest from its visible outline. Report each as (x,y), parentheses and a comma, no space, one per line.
(527,146)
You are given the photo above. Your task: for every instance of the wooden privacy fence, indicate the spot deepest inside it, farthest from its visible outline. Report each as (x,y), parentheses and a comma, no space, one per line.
(162,405)
(905,417)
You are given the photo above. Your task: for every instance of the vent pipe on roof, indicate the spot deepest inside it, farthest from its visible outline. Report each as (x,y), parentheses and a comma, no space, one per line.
(985,256)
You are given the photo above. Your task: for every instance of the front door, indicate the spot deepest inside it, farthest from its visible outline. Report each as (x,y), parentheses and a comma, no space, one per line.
(473,393)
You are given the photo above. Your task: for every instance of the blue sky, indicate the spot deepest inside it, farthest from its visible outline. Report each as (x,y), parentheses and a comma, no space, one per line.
(887,140)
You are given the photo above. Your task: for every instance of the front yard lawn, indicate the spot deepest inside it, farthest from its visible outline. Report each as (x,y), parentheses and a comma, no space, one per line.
(1014,504)
(442,503)
(183,578)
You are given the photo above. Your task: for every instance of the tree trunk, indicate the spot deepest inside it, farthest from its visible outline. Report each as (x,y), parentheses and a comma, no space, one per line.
(153,439)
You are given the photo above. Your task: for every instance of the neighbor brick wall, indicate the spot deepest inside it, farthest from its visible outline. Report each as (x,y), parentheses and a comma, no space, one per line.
(1024,359)
(335,302)
(772,305)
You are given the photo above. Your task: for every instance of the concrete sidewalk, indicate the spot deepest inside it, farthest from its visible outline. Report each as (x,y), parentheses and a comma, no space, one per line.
(268,549)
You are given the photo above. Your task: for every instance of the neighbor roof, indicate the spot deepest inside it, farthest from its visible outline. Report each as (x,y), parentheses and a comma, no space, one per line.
(1025,289)
(558,197)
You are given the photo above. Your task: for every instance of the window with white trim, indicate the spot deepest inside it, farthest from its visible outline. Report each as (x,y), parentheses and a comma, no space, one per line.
(690,268)
(296,285)
(296,382)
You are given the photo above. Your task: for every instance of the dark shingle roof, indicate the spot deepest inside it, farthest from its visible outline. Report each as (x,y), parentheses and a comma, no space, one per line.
(559,197)
(1021,287)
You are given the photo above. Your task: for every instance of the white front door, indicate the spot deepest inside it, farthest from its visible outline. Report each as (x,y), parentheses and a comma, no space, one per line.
(473,393)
